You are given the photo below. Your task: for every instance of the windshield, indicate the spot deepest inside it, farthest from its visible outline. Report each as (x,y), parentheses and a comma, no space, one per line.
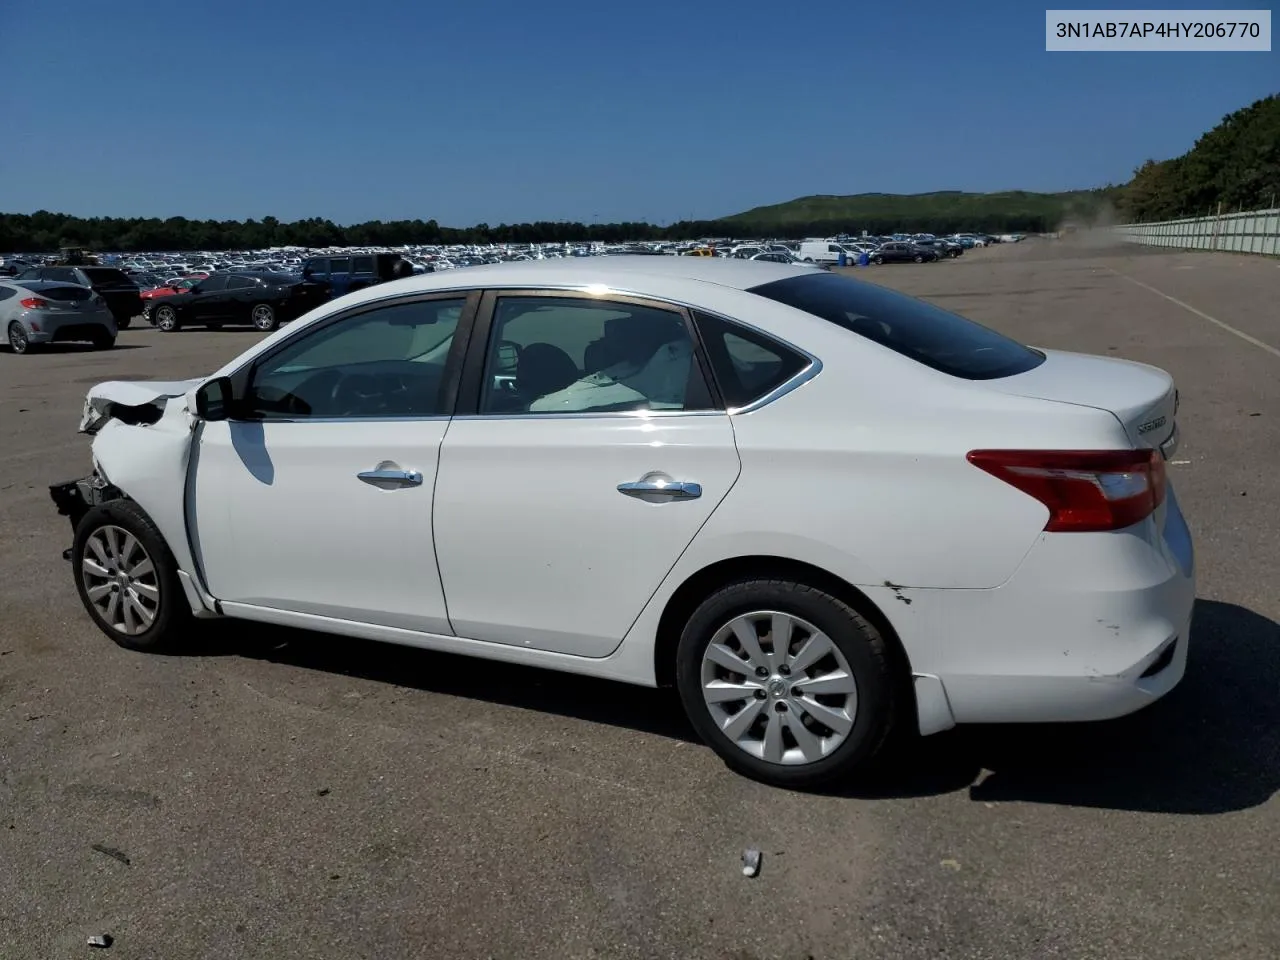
(927,334)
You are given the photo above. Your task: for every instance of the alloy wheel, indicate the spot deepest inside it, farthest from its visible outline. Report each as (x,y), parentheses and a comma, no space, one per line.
(166,319)
(120,580)
(17,338)
(263,317)
(779,688)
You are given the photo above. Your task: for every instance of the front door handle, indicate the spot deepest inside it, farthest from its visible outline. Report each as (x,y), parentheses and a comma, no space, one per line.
(657,488)
(402,478)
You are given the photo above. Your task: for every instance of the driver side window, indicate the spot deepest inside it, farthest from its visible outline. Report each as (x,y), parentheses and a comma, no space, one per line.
(385,362)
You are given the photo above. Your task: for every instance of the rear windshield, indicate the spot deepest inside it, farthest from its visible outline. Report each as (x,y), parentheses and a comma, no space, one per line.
(925,333)
(106,275)
(68,293)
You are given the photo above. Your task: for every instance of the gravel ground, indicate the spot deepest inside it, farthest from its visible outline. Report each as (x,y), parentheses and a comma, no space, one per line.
(278,794)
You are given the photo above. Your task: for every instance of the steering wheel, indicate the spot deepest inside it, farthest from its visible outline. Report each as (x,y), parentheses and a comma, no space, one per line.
(364,395)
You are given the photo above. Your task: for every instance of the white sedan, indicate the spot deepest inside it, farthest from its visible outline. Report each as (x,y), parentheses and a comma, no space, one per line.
(821,509)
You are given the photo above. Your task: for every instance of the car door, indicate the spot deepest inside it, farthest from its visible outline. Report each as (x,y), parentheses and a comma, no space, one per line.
(315,496)
(206,299)
(586,453)
(239,297)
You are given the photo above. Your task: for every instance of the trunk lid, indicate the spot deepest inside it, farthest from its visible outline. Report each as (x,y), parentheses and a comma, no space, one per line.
(1143,398)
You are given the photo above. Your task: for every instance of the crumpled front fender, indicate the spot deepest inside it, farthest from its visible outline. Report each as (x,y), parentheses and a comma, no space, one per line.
(149,464)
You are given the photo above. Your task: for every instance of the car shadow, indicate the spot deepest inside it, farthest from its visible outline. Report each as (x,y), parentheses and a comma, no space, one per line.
(1210,746)
(644,709)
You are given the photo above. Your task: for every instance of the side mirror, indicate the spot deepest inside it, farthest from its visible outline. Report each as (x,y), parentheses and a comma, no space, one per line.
(213,400)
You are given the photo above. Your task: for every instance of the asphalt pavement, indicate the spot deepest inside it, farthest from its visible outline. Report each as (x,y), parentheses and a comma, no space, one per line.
(277,794)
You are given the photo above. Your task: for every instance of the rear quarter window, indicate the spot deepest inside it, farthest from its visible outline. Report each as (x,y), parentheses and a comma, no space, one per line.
(748,365)
(941,340)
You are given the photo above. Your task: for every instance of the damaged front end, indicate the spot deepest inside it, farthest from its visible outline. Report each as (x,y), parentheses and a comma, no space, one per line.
(132,403)
(75,498)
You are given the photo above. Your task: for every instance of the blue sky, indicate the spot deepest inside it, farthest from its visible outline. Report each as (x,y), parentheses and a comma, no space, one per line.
(476,111)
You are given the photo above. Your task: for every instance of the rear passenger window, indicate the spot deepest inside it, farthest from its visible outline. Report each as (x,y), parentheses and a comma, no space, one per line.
(583,355)
(340,265)
(748,365)
(240,283)
(362,265)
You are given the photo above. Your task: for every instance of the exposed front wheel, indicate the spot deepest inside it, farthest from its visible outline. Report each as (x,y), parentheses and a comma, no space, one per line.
(102,340)
(18,338)
(127,578)
(787,683)
(122,323)
(919,259)
(264,317)
(166,318)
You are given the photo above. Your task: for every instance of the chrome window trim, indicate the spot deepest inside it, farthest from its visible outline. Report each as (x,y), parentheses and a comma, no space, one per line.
(798,379)
(266,420)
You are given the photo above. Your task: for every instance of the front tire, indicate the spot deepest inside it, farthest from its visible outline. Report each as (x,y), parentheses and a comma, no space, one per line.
(802,714)
(264,317)
(102,340)
(127,578)
(165,318)
(919,259)
(122,323)
(18,341)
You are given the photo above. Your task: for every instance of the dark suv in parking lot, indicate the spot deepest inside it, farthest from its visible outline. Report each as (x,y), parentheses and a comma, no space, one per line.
(340,274)
(114,286)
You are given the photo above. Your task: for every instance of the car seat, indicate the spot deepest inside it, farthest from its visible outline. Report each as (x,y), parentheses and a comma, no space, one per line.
(545,368)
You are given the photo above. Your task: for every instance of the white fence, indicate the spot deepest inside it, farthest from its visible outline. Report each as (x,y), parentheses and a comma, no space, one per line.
(1257,231)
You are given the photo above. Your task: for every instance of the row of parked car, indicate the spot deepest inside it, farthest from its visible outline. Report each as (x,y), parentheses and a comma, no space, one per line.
(62,303)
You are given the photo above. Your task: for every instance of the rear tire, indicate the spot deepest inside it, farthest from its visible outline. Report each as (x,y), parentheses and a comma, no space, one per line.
(844,679)
(127,578)
(18,341)
(165,318)
(919,259)
(102,341)
(263,317)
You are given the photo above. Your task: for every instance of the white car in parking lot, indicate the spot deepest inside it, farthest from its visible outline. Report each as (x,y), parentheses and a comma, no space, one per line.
(820,508)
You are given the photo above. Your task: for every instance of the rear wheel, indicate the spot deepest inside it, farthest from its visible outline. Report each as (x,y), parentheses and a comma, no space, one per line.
(127,578)
(166,318)
(787,683)
(102,339)
(919,258)
(18,338)
(264,317)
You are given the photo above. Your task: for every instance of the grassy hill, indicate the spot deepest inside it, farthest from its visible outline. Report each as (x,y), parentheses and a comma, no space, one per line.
(1017,210)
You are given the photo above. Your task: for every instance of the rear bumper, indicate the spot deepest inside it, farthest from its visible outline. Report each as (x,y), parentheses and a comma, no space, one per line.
(1091,627)
(76,327)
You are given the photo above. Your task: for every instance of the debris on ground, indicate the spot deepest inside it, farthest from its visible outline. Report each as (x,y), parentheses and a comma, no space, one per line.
(101,940)
(751,862)
(951,864)
(113,853)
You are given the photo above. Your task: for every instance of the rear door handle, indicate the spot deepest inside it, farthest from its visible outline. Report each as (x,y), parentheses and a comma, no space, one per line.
(403,478)
(659,488)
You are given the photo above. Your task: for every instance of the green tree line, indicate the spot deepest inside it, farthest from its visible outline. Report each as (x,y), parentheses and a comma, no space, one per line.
(1237,165)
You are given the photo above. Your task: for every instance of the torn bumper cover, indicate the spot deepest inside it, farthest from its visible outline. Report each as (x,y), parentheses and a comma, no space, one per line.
(74,498)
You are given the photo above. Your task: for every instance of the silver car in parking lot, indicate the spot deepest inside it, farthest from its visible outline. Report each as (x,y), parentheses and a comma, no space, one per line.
(34,312)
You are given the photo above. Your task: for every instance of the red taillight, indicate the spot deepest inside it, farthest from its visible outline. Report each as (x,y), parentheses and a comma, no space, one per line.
(1085,490)
(35,303)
